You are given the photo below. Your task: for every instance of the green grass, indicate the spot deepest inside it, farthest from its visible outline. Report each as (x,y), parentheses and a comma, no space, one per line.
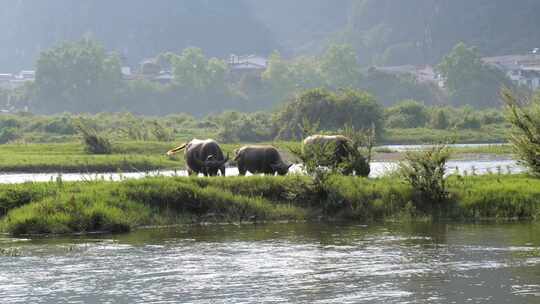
(502,149)
(496,196)
(487,134)
(56,207)
(127,156)
(71,157)
(133,156)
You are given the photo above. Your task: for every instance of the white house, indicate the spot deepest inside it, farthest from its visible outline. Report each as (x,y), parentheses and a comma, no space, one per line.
(523,70)
(5,80)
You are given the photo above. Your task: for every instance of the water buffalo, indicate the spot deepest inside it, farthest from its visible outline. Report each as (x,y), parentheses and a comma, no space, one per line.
(260,159)
(343,153)
(203,156)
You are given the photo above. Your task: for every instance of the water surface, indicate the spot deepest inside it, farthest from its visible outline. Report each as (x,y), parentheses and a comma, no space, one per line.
(281,263)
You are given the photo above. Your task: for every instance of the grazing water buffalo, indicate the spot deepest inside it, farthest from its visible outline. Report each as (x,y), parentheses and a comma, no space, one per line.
(260,159)
(342,145)
(343,153)
(203,156)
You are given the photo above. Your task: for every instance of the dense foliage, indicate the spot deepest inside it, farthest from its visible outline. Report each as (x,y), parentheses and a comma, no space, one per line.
(425,172)
(469,80)
(82,77)
(525,119)
(76,77)
(331,110)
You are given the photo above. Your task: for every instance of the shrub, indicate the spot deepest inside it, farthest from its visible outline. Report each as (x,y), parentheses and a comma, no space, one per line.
(9,134)
(407,114)
(425,172)
(94,143)
(524,115)
(243,127)
(161,133)
(61,125)
(332,109)
(439,119)
(469,121)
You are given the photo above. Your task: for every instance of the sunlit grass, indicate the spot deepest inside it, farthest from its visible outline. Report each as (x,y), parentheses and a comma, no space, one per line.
(58,207)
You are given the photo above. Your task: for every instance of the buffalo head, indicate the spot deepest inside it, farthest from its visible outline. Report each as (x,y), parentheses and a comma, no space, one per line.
(281,168)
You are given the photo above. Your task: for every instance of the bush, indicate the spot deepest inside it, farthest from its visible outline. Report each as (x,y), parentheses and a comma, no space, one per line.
(9,134)
(439,119)
(524,115)
(469,121)
(61,125)
(244,127)
(425,172)
(161,133)
(332,109)
(407,114)
(94,143)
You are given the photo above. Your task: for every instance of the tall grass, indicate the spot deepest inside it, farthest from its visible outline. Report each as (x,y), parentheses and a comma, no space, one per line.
(94,142)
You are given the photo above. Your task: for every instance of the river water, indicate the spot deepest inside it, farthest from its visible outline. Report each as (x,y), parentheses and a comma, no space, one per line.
(482,164)
(280,263)
(496,166)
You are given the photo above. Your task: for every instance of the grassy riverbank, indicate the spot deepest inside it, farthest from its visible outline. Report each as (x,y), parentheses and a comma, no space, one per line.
(117,207)
(413,136)
(133,156)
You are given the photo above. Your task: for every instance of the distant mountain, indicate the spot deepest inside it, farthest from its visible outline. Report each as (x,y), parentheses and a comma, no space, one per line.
(390,32)
(302,26)
(384,32)
(136,28)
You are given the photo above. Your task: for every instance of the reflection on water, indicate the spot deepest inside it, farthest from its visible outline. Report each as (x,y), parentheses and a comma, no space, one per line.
(377,169)
(281,263)
(484,165)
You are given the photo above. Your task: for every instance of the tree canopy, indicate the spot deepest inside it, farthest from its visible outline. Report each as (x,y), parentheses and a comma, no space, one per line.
(469,80)
(77,77)
(330,110)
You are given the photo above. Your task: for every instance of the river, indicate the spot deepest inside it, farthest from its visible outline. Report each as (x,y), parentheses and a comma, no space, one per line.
(495,166)
(280,263)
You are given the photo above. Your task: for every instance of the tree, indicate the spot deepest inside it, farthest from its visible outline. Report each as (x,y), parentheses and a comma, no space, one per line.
(339,67)
(278,76)
(407,114)
(293,76)
(469,80)
(332,110)
(192,69)
(76,77)
(439,119)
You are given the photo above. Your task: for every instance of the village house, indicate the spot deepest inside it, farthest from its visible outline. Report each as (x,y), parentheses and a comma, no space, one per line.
(422,73)
(5,80)
(12,81)
(251,65)
(523,70)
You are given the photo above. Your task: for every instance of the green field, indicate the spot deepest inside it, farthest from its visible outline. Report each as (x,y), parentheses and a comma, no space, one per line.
(58,207)
(486,134)
(134,156)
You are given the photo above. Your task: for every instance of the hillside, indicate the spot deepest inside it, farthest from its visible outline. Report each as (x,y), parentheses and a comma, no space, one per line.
(384,32)
(136,28)
(389,32)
